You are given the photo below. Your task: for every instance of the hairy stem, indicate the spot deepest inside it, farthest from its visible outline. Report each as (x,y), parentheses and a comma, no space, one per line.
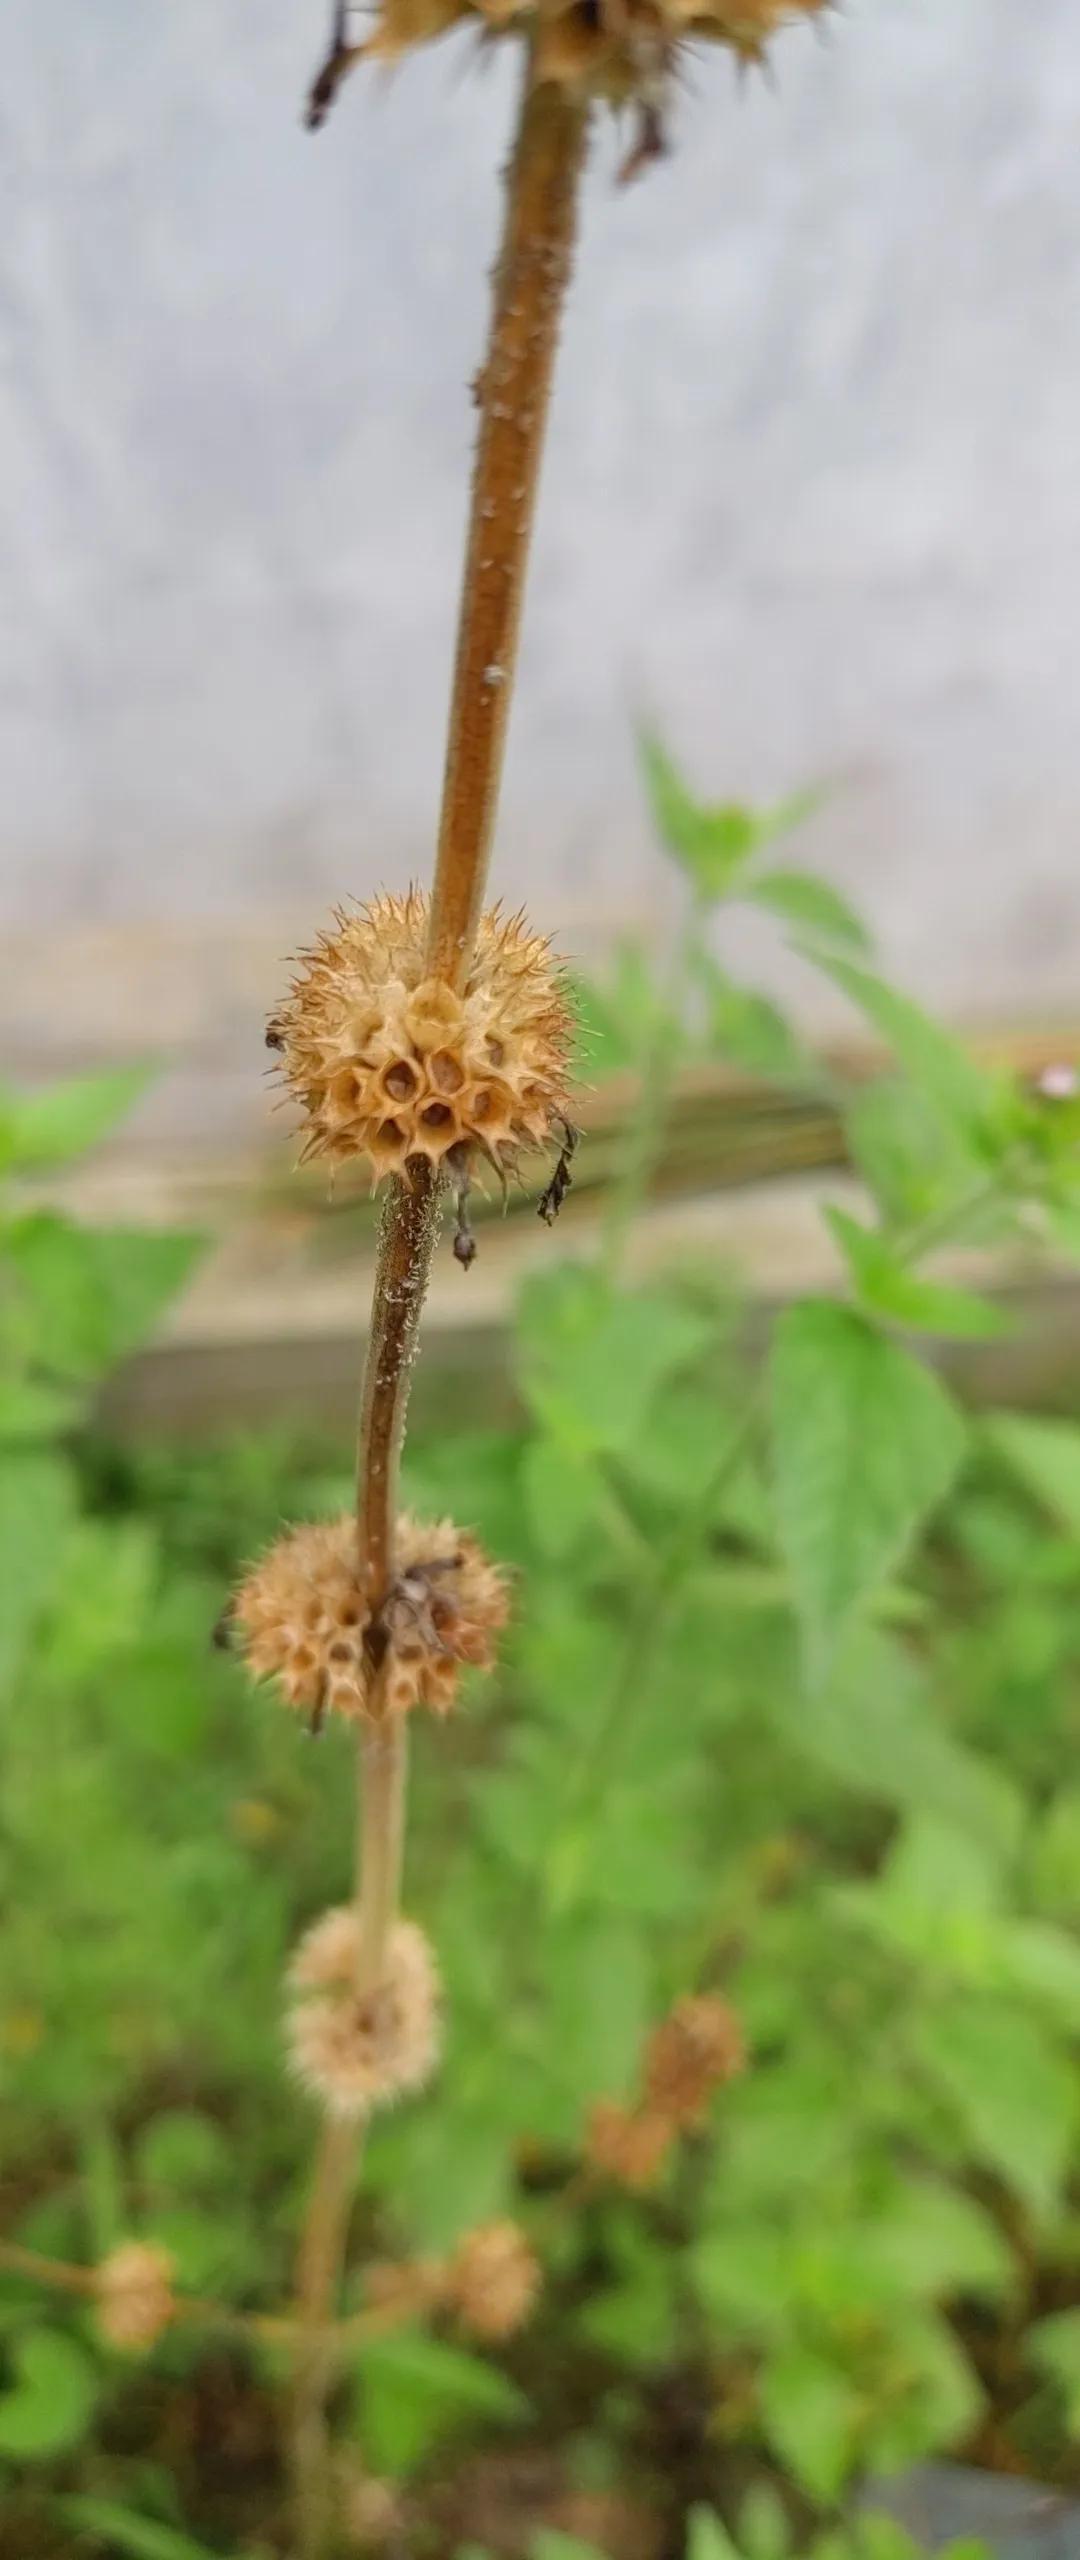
(513,393)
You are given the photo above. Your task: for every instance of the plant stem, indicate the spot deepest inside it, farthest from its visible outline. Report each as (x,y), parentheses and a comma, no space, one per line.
(321,2255)
(513,390)
(513,393)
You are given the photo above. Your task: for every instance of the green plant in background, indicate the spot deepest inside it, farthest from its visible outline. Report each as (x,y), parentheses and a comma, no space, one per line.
(784,1716)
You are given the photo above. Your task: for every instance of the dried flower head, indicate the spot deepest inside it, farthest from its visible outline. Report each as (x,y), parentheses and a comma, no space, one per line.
(616,49)
(692,2052)
(492,2280)
(357,2051)
(390,1063)
(629,2144)
(372,2511)
(134,2295)
(300,1616)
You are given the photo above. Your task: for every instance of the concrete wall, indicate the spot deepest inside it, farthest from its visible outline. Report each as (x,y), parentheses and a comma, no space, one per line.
(812,496)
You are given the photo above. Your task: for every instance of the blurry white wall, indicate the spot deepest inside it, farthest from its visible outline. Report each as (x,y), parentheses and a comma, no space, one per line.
(812,497)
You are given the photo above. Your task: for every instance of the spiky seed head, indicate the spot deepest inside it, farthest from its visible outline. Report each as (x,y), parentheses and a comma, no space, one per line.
(391,1064)
(628,2144)
(300,1615)
(615,49)
(492,2280)
(358,2051)
(692,2052)
(134,2295)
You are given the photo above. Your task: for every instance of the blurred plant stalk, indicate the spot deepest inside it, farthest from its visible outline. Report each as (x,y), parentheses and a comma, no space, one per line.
(512,393)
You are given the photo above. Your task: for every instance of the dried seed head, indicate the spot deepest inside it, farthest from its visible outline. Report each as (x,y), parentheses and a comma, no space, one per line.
(359,2051)
(372,2511)
(492,2280)
(135,2299)
(390,1063)
(691,2053)
(629,2144)
(616,49)
(300,1617)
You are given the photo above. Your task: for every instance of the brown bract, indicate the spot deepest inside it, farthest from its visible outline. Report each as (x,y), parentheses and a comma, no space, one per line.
(300,1616)
(615,49)
(391,1064)
(353,2050)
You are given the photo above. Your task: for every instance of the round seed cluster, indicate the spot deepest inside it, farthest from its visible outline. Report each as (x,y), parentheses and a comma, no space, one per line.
(693,2051)
(300,1617)
(134,2296)
(492,2280)
(610,48)
(628,2144)
(357,2051)
(391,1064)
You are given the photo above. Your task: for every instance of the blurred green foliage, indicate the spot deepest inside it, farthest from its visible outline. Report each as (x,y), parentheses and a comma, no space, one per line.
(789,1706)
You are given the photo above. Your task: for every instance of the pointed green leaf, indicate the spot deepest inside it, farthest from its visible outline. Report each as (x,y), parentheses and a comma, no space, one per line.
(886,1287)
(414,2390)
(865,1445)
(1044,1452)
(811,2411)
(118,2529)
(1011,2088)
(941,1068)
(811,904)
(64,1119)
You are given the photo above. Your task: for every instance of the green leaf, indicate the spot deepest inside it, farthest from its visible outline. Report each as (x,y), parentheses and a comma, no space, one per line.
(183,2153)
(563,1496)
(31,1409)
(593,1361)
(753,1033)
(415,2390)
(810,2410)
(764,2525)
(956,1088)
(933,2240)
(92,1294)
(810,903)
(120,2530)
(1044,1453)
(887,1287)
(875,1726)
(707,2538)
(1054,2343)
(865,1445)
(712,844)
(64,1119)
(48,2407)
(1011,2088)
(37,1508)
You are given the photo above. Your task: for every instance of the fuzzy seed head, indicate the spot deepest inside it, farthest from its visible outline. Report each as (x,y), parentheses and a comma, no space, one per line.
(628,2144)
(135,2299)
(300,1617)
(619,49)
(391,1064)
(492,2280)
(689,2055)
(354,2051)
